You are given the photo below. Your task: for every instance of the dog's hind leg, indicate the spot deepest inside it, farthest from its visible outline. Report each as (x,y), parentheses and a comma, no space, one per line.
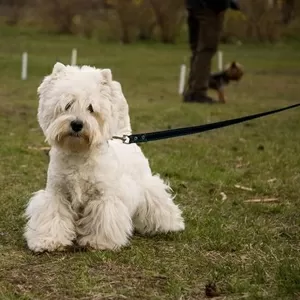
(106,224)
(50,223)
(221,94)
(157,212)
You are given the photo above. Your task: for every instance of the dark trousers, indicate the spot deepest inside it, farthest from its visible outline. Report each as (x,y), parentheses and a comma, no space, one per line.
(205,28)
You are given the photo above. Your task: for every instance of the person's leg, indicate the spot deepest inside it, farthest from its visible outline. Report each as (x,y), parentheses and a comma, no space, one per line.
(193,33)
(210,27)
(193,27)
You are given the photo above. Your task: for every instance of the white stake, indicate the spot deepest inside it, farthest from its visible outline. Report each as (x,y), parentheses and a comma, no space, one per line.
(24,66)
(182,79)
(220,60)
(74,57)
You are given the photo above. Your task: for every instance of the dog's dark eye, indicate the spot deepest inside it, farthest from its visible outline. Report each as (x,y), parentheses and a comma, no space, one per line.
(68,105)
(90,108)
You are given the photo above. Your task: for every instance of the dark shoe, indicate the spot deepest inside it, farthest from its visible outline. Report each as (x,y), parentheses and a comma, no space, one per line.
(198,98)
(206,99)
(188,98)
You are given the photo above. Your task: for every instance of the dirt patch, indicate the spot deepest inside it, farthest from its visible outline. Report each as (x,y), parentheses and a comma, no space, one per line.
(78,280)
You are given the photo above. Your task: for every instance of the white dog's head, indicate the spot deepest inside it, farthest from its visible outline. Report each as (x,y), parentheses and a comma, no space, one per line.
(75,107)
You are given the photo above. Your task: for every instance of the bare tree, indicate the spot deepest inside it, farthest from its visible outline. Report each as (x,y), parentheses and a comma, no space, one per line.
(169,16)
(146,21)
(288,11)
(62,13)
(262,20)
(134,18)
(14,10)
(124,9)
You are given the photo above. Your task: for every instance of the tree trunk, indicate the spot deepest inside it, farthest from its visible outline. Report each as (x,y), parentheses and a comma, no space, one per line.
(288,9)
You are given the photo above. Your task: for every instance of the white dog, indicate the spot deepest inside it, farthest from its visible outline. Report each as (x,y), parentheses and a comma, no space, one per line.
(98,189)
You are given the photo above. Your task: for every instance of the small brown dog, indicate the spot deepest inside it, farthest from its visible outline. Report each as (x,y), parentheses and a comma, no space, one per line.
(217,81)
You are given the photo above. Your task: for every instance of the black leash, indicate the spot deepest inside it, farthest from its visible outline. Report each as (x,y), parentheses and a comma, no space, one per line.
(166,134)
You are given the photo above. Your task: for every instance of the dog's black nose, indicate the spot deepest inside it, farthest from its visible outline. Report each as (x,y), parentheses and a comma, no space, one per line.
(76,125)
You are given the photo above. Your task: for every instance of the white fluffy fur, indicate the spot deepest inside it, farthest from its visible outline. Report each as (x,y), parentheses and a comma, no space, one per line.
(98,189)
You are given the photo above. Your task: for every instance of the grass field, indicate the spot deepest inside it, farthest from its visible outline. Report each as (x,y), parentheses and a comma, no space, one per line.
(249,250)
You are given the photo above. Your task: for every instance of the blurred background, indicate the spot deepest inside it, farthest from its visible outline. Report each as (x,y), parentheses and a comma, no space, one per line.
(129,21)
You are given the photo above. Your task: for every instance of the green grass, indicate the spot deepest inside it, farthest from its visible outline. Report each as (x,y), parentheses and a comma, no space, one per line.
(250,250)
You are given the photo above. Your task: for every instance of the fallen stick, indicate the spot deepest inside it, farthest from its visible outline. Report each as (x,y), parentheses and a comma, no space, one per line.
(39,148)
(262,200)
(243,187)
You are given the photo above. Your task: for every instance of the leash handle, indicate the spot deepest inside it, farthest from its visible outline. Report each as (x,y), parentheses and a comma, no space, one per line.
(171,133)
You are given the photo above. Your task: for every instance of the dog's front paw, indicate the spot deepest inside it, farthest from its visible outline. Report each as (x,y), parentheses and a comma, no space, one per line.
(93,243)
(47,245)
(176,225)
(172,225)
(179,226)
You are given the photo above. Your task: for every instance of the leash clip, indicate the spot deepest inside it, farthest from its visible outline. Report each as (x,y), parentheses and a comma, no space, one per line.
(125,138)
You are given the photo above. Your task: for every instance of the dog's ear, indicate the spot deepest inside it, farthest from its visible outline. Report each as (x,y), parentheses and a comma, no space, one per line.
(233,64)
(106,76)
(58,68)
